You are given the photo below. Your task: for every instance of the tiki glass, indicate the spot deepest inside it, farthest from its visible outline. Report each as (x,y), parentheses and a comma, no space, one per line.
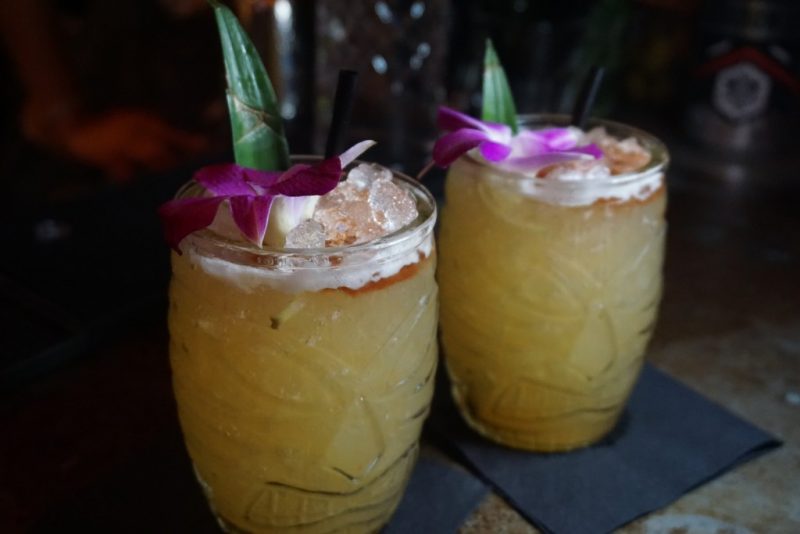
(549,294)
(301,398)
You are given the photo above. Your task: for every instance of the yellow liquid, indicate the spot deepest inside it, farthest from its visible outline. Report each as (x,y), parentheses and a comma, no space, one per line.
(301,412)
(546,309)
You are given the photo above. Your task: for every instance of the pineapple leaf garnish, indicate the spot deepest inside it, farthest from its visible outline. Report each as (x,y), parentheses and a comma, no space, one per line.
(498,103)
(256,125)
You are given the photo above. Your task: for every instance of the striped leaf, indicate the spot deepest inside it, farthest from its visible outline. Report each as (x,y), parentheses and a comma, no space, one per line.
(256,125)
(498,103)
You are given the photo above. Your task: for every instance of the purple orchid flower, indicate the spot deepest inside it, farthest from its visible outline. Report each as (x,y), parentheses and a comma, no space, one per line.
(527,151)
(250,194)
(491,138)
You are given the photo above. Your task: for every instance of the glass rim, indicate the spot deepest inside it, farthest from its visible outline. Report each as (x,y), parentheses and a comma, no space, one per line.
(658,150)
(420,226)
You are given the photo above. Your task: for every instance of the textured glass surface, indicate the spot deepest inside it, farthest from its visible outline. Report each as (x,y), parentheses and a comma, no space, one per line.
(301,411)
(546,309)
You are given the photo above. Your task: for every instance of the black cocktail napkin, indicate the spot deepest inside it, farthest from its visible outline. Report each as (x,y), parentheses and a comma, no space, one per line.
(669,441)
(439,497)
(157,492)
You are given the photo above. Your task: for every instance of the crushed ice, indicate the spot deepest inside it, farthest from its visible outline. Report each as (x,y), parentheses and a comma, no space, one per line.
(307,234)
(620,156)
(574,171)
(392,207)
(365,206)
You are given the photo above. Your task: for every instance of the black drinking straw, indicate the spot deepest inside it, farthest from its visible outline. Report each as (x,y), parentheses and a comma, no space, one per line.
(586,97)
(342,105)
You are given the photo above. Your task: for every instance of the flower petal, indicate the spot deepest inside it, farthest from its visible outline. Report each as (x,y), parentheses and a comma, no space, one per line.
(251,193)
(351,154)
(452,120)
(494,151)
(226,179)
(263,179)
(527,143)
(183,216)
(286,213)
(251,213)
(593,150)
(558,138)
(304,180)
(450,147)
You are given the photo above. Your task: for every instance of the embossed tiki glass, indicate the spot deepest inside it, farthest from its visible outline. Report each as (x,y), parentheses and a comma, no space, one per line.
(301,393)
(549,294)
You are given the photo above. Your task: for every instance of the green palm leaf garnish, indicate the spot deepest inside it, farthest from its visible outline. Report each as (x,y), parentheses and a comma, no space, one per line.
(256,125)
(498,104)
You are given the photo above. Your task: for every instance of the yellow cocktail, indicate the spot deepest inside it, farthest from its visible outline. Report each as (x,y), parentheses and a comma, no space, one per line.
(550,290)
(303,376)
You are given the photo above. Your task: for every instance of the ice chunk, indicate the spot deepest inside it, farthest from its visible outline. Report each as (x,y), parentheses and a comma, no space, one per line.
(392,207)
(347,217)
(578,170)
(630,145)
(597,135)
(344,192)
(307,234)
(364,175)
(366,206)
(623,156)
(286,213)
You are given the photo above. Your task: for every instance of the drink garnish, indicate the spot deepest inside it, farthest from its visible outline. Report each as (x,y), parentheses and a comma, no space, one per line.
(265,196)
(528,150)
(250,194)
(256,125)
(497,137)
(498,102)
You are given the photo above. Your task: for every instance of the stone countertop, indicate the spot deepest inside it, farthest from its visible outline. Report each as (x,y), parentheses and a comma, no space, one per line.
(729,327)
